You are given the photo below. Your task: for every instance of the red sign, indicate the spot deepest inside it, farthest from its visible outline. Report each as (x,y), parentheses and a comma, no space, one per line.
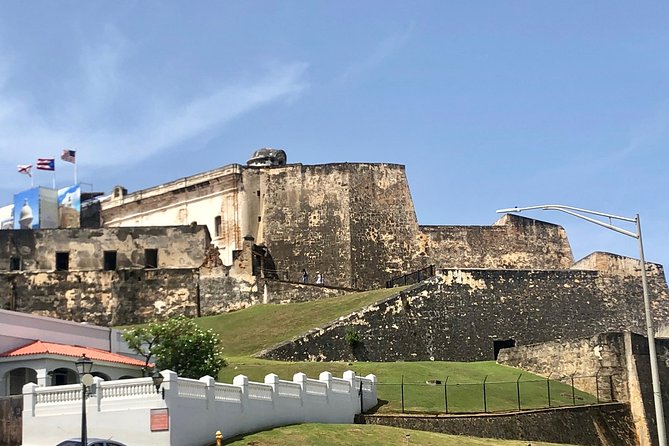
(160,420)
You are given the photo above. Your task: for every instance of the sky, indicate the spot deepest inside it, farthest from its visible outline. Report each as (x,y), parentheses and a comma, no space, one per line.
(488,104)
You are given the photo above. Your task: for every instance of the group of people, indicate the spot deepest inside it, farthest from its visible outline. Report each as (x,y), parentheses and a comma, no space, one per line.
(319,277)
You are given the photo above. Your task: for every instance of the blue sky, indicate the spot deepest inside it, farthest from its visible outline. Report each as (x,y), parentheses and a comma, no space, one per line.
(489,104)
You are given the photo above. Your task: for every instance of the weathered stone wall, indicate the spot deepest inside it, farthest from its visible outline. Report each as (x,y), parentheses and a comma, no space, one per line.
(178,247)
(601,425)
(102,297)
(458,315)
(305,221)
(610,263)
(512,242)
(598,357)
(641,362)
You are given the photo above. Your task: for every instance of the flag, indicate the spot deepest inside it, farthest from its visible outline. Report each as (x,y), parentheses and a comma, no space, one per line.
(68,156)
(45,164)
(25,169)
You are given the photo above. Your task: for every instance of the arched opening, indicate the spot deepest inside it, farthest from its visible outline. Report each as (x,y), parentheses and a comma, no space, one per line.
(101,375)
(17,378)
(127,377)
(63,376)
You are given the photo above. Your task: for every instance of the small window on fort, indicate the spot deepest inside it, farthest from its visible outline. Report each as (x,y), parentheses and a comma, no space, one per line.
(110,260)
(62,261)
(150,258)
(217,226)
(258,192)
(259,218)
(15,263)
(498,345)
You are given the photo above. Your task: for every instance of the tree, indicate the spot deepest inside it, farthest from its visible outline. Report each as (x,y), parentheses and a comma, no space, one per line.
(178,344)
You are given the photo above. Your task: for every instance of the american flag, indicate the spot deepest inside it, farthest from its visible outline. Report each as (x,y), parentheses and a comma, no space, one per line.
(25,169)
(68,156)
(45,164)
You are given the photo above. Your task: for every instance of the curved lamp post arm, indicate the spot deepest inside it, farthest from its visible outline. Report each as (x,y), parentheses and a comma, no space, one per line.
(578,212)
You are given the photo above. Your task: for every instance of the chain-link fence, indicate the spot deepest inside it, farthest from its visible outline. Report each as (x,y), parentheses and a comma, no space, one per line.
(488,395)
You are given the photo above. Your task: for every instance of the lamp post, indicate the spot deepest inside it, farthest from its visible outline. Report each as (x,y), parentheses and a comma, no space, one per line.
(84,367)
(578,212)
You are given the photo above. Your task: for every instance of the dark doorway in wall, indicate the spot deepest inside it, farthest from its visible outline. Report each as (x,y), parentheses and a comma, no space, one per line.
(15,264)
(110,260)
(151,258)
(62,261)
(498,345)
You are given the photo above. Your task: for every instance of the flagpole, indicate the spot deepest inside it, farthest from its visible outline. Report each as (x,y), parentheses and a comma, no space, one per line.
(75,171)
(32,180)
(53,182)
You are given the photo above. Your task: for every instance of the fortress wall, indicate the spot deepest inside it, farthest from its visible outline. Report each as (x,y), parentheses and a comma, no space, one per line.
(512,242)
(178,247)
(458,315)
(102,297)
(601,355)
(384,228)
(305,220)
(617,264)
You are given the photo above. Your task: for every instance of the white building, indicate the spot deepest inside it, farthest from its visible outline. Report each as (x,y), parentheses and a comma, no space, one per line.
(44,351)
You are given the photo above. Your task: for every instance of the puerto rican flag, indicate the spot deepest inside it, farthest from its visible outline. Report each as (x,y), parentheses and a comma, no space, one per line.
(46,164)
(25,169)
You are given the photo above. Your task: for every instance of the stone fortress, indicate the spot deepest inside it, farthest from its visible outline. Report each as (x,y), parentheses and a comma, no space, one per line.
(242,234)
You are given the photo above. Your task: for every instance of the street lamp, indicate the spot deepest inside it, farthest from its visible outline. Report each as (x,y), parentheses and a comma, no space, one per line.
(577,212)
(84,367)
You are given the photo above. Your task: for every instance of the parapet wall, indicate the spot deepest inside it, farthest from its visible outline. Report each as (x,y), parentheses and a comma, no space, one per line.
(600,425)
(102,297)
(188,412)
(513,242)
(176,247)
(463,315)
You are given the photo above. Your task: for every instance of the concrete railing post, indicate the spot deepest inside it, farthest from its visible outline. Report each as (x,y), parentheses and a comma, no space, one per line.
(29,398)
(301,379)
(273,380)
(242,381)
(170,385)
(349,376)
(326,377)
(210,390)
(372,394)
(97,383)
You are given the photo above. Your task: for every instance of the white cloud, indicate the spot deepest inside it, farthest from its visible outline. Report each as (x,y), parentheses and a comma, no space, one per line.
(384,50)
(85,119)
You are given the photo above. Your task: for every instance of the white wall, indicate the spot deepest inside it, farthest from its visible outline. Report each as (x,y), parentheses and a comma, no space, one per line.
(197,408)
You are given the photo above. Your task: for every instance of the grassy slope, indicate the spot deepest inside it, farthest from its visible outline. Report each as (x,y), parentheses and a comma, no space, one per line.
(250,330)
(247,331)
(362,435)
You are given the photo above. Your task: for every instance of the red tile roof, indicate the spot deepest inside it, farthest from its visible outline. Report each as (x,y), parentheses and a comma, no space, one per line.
(49,348)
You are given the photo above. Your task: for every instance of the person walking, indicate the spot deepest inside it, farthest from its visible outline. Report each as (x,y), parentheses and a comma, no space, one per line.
(305,276)
(319,279)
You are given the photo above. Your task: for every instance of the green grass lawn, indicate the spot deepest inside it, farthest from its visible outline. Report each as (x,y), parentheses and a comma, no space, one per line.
(362,435)
(248,331)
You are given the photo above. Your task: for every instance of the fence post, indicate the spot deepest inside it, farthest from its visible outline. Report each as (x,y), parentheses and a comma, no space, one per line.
(402,393)
(548,388)
(485,399)
(573,391)
(518,390)
(597,384)
(362,405)
(446,394)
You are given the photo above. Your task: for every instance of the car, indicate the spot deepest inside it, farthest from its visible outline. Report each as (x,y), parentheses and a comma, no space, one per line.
(90,442)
